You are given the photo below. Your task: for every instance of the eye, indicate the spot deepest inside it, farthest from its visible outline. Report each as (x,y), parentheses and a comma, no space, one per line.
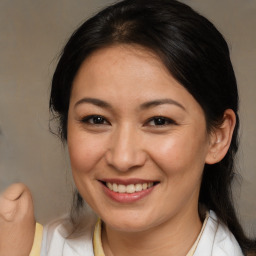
(160,121)
(95,120)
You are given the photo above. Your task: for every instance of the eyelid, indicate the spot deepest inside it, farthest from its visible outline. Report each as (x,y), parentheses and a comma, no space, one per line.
(169,120)
(87,118)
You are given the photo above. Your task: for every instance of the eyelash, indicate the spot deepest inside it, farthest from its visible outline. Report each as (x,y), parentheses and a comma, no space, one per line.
(93,117)
(161,118)
(104,121)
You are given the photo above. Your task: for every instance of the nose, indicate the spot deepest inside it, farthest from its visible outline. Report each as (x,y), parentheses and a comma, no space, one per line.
(126,151)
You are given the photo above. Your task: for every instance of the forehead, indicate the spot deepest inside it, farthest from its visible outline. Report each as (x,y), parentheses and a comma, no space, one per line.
(122,61)
(125,73)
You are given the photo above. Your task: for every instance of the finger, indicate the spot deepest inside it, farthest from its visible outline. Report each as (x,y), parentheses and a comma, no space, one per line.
(8,209)
(14,191)
(16,203)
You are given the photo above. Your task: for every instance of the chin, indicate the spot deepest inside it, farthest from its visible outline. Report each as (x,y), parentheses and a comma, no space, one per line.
(128,222)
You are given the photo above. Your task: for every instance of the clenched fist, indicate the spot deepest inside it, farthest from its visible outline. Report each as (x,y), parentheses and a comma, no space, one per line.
(17,221)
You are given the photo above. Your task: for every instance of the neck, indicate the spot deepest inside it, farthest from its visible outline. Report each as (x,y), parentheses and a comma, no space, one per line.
(173,237)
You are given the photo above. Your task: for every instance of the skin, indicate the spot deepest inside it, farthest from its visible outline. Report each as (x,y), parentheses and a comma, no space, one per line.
(17,222)
(128,144)
(173,154)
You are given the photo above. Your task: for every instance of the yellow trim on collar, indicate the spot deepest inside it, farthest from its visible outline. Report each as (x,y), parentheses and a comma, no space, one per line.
(193,249)
(37,241)
(97,244)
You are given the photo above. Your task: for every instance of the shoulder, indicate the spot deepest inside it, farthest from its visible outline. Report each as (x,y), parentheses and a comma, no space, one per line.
(217,240)
(61,239)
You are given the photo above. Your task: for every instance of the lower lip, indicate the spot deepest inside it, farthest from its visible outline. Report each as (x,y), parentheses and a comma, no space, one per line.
(127,197)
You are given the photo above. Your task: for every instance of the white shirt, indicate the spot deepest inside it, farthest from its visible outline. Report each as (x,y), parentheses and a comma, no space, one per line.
(216,239)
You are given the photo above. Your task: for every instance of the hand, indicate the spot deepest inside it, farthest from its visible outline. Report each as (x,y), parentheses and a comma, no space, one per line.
(17,221)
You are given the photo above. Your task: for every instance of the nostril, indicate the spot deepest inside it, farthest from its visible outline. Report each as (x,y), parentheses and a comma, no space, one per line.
(124,158)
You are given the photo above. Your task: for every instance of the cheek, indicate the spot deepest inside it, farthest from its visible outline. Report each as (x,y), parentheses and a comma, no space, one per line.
(170,155)
(84,152)
(180,153)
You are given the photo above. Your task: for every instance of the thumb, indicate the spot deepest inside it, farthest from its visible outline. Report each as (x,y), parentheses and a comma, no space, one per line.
(15,200)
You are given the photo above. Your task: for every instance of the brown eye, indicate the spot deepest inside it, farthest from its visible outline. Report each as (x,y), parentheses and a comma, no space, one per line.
(95,119)
(160,121)
(98,120)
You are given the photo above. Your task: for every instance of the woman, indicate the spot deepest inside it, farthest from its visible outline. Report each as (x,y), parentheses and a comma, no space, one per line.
(147,102)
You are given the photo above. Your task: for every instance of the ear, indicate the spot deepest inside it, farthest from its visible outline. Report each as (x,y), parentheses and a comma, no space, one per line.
(220,138)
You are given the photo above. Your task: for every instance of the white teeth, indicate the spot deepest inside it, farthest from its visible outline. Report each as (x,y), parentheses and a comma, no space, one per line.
(150,184)
(121,188)
(131,188)
(115,187)
(109,185)
(138,187)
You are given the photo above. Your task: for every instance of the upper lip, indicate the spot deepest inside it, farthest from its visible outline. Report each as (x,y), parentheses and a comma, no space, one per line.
(127,181)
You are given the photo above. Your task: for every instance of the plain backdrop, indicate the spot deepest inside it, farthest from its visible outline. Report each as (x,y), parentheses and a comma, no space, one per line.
(32,34)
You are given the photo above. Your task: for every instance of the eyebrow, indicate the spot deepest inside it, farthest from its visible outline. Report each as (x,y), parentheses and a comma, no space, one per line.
(158,102)
(146,105)
(97,102)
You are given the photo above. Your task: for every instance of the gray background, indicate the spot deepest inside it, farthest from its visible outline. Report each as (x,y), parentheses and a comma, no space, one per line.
(32,33)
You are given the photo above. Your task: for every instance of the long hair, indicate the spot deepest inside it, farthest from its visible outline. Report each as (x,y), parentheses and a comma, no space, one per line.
(196,55)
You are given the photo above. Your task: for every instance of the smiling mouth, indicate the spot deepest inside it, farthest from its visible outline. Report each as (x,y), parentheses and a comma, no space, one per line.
(130,188)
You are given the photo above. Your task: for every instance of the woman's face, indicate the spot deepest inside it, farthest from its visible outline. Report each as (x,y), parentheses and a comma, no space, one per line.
(137,139)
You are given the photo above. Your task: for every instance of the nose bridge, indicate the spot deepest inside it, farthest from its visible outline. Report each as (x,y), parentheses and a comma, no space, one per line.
(126,150)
